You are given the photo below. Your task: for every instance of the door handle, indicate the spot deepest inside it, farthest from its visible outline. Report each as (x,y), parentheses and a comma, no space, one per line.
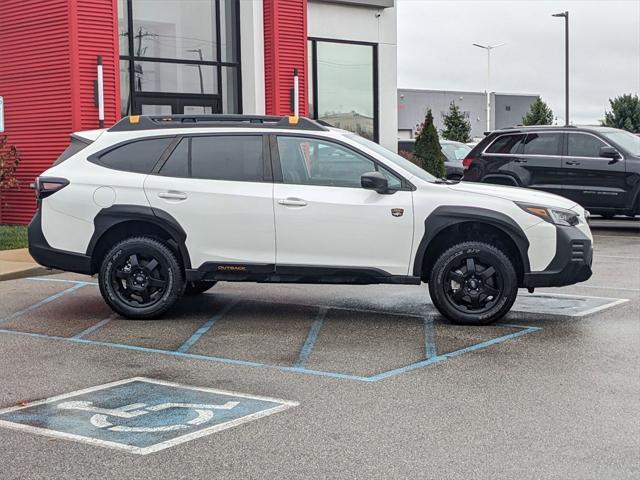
(572,163)
(173,195)
(520,160)
(292,202)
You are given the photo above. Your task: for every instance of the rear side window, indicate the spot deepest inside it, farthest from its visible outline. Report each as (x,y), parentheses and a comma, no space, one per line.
(234,157)
(137,157)
(506,144)
(542,144)
(583,145)
(74,147)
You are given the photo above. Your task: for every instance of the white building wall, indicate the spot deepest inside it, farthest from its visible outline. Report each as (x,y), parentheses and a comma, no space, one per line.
(252,56)
(365,24)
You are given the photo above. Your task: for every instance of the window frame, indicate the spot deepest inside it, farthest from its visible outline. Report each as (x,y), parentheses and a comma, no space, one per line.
(313,59)
(218,64)
(521,149)
(267,171)
(277,165)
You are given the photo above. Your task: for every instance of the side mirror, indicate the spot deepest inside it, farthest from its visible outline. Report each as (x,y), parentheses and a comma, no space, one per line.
(375,181)
(610,152)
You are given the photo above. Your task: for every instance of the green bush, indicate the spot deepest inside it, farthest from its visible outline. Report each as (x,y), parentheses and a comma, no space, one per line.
(428,150)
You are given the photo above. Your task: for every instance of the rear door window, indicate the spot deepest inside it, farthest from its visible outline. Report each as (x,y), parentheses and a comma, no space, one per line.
(234,157)
(543,144)
(584,145)
(177,165)
(137,157)
(506,144)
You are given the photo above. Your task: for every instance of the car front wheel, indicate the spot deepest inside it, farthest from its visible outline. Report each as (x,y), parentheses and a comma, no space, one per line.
(473,283)
(140,278)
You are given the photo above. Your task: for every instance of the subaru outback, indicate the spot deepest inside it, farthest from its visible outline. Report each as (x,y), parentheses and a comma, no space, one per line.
(161,207)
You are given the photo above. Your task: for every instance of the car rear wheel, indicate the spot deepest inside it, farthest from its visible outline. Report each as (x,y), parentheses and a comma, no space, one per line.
(140,278)
(473,283)
(196,288)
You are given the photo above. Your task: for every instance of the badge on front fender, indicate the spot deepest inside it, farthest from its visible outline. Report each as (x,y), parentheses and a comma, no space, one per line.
(397,212)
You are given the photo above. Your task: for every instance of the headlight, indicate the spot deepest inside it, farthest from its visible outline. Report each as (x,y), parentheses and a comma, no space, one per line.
(557,216)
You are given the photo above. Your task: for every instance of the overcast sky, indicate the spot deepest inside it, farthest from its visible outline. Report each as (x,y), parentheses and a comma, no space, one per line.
(435,49)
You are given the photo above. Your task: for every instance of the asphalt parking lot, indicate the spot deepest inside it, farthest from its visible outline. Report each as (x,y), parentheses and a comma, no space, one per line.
(294,381)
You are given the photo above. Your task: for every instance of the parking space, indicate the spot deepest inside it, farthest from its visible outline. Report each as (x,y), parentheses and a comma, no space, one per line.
(378,376)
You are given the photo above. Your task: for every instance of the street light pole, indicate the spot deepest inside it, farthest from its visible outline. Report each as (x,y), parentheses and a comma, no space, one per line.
(488,48)
(566,64)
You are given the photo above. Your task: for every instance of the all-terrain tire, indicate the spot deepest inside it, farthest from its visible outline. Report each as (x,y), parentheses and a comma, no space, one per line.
(140,278)
(480,270)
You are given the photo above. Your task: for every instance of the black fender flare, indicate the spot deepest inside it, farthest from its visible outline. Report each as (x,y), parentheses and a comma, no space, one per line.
(447,215)
(109,217)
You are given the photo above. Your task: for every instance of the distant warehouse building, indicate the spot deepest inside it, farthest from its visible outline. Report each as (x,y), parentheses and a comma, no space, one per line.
(507,109)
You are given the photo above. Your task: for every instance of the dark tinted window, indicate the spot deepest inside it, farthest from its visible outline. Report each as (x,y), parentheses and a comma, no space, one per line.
(138,157)
(542,144)
(583,145)
(177,165)
(406,146)
(75,146)
(236,157)
(507,144)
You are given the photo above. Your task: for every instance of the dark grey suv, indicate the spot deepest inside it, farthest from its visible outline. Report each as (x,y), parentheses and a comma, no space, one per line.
(597,167)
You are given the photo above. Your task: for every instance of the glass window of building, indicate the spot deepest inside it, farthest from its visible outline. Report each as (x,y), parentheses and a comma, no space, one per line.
(344,86)
(182,57)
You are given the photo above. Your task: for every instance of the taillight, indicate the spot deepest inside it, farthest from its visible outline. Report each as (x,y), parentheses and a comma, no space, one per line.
(46,186)
(466,163)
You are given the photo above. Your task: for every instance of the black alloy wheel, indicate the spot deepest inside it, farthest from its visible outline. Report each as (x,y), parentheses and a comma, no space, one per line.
(473,283)
(140,278)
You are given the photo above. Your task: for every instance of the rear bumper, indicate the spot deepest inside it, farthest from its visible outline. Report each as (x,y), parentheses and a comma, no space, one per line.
(50,257)
(571,264)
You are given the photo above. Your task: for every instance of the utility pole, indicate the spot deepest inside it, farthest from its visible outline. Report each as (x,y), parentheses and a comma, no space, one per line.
(199,52)
(566,64)
(488,48)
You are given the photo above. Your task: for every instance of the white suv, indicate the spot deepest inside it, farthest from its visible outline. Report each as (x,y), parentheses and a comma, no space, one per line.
(159,207)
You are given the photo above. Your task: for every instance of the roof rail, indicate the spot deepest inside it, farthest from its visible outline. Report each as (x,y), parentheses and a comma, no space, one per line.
(153,122)
(536,126)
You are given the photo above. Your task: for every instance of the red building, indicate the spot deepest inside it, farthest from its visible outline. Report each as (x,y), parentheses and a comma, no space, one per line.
(186,56)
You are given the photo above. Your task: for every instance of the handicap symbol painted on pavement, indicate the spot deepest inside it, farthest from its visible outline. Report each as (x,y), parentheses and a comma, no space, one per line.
(140,415)
(204,414)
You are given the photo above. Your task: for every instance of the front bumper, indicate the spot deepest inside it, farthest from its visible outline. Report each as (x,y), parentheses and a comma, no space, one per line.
(51,257)
(571,264)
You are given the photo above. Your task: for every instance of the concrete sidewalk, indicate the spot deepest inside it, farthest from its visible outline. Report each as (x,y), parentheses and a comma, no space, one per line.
(19,264)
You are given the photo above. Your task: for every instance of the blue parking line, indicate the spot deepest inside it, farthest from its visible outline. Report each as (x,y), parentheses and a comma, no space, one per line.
(95,327)
(456,353)
(310,342)
(61,280)
(42,302)
(205,328)
(430,349)
(247,363)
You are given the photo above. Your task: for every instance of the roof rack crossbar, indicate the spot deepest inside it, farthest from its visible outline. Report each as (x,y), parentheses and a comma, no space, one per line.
(153,122)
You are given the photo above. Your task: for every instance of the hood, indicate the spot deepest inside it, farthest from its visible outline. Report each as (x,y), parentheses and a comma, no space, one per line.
(515,194)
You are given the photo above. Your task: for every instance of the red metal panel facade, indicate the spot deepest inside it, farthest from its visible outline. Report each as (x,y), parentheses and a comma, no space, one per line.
(285,48)
(47,68)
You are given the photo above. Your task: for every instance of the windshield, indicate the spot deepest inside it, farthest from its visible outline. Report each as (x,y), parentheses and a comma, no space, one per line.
(455,151)
(394,158)
(628,141)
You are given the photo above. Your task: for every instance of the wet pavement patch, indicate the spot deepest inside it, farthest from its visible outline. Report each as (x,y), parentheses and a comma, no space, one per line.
(139,415)
(225,326)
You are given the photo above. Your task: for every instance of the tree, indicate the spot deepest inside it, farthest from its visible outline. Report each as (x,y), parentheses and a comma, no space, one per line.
(428,151)
(457,125)
(539,114)
(624,114)
(9,159)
